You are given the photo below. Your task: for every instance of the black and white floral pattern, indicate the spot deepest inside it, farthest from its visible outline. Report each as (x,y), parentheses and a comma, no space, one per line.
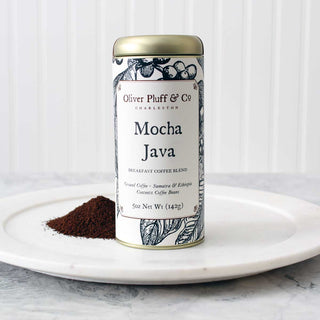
(185,230)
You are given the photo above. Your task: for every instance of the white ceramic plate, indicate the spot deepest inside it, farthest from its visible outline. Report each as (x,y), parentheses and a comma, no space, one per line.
(246,232)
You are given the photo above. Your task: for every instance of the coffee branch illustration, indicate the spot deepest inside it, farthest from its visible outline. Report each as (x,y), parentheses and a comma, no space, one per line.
(146,67)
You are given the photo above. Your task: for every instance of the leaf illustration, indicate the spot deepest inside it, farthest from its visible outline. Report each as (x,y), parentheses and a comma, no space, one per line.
(124,75)
(200,61)
(149,230)
(192,230)
(201,95)
(171,226)
(128,74)
(153,231)
(194,226)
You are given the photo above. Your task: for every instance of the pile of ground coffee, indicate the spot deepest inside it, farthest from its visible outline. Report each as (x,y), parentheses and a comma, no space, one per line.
(93,219)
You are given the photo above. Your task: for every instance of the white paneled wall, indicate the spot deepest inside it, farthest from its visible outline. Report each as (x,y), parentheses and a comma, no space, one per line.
(262,61)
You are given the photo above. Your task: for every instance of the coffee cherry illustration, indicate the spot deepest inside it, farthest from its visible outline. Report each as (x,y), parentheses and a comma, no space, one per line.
(161,60)
(201,145)
(119,61)
(130,62)
(147,71)
(169,72)
(192,70)
(179,66)
(145,61)
(184,75)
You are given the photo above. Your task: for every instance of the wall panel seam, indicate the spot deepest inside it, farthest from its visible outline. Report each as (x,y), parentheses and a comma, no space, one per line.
(41,88)
(189,16)
(130,14)
(159,16)
(215,132)
(71,90)
(246,85)
(303,85)
(274,94)
(12,65)
(101,86)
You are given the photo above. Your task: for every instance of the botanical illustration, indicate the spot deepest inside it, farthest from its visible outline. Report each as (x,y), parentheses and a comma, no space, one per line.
(190,229)
(146,67)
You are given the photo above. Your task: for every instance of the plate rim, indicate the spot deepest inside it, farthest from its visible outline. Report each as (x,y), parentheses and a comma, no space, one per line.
(198,274)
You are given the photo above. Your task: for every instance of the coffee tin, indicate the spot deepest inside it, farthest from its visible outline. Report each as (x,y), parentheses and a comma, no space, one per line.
(159,141)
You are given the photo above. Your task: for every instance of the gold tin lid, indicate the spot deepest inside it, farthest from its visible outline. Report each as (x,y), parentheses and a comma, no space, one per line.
(158,45)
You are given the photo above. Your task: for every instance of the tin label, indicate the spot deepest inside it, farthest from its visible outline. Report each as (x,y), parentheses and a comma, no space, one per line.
(158,148)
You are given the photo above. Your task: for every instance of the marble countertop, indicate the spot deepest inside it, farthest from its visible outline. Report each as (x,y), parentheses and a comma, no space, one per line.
(291,292)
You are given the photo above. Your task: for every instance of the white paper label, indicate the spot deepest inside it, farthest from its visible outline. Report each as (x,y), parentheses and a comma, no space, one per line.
(158,148)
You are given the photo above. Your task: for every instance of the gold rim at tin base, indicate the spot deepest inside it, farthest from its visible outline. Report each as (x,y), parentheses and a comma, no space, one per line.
(148,247)
(158,45)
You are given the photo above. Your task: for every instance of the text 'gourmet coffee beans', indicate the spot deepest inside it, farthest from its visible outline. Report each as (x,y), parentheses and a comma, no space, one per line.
(159,116)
